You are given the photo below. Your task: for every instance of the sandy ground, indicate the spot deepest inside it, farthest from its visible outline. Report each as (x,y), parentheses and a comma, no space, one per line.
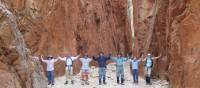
(111,80)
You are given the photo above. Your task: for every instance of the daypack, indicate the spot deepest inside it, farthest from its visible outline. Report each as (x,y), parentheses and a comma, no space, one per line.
(67,60)
(151,62)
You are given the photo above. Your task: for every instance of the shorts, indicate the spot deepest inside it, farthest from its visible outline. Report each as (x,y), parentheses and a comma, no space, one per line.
(85,71)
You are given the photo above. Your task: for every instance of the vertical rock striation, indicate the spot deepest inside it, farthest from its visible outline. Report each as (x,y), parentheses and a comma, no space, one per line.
(175,35)
(57,27)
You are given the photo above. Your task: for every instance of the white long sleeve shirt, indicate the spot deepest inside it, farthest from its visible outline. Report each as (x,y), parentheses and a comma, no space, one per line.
(50,64)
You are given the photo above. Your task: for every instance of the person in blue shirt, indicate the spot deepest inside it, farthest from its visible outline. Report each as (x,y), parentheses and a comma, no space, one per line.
(119,60)
(102,59)
(135,66)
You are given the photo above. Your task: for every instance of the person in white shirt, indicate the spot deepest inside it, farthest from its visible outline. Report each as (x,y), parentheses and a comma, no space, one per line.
(50,68)
(69,67)
(85,69)
(148,67)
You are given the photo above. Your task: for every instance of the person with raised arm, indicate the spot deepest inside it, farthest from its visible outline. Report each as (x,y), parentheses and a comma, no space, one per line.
(69,67)
(102,59)
(85,69)
(148,67)
(50,68)
(119,60)
(135,61)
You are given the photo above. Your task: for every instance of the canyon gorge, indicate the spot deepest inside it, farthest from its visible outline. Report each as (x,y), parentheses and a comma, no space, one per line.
(61,27)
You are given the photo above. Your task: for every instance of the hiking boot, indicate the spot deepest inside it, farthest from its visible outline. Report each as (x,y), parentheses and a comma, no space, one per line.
(66,82)
(104,83)
(99,81)
(117,80)
(72,82)
(148,80)
(82,83)
(87,83)
(136,82)
(122,81)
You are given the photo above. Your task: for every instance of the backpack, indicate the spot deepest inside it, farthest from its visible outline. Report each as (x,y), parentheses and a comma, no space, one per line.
(151,62)
(67,60)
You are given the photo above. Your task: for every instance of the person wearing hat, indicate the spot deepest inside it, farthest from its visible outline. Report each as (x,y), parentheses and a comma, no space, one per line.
(50,68)
(148,67)
(120,60)
(69,67)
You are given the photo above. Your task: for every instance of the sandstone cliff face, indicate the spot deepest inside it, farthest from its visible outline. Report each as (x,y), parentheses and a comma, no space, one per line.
(58,27)
(175,35)
(78,26)
(61,27)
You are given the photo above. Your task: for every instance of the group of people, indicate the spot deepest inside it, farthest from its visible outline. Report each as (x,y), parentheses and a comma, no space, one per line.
(101,59)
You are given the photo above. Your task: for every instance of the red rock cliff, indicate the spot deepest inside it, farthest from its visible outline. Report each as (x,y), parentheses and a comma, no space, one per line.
(59,27)
(170,27)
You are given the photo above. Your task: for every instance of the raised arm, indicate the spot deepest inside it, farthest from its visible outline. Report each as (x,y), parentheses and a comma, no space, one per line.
(56,59)
(74,58)
(94,58)
(143,59)
(113,58)
(156,57)
(34,57)
(90,59)
(62,58)
(43,59)
(126,58)
(81,59)
(140,59)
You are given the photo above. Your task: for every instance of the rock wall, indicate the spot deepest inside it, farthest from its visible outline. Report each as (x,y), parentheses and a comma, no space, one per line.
(175,27)
(58,27)
(18,71)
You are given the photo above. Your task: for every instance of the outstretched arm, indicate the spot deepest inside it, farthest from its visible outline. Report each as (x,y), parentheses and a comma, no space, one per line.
(43,59)
(74,58)
(81,59)
(55,60)
(139,59)
(62,58)
(157,57)
(143,59)
(34,57)
(113,58)
(94,58)
(90,59)
(126,58)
